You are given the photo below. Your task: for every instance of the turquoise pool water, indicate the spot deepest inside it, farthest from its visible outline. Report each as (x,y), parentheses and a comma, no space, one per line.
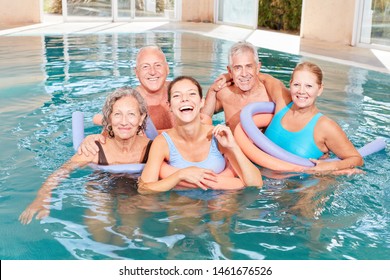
(93,216)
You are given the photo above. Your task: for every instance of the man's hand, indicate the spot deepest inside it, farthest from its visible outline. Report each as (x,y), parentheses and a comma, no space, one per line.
(223,80)
(88,146)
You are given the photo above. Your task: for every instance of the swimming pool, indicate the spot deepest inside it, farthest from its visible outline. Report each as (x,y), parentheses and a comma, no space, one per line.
(43,79)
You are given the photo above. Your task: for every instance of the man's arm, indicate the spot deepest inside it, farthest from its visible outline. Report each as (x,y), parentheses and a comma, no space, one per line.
(212,103)
(275,88)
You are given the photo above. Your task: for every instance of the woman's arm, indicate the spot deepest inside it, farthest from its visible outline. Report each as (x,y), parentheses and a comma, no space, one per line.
(245,169)
(332,138)
(40,204)
(149,182)
(226,180)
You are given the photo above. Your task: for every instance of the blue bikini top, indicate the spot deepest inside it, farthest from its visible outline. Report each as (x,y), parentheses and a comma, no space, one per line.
(215,161)
(300,143)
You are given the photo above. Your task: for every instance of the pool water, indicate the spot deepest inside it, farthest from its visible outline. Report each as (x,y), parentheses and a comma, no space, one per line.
(43,79)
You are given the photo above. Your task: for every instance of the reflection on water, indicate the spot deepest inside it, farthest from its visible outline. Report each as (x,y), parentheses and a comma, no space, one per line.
(100,216)
(117,222)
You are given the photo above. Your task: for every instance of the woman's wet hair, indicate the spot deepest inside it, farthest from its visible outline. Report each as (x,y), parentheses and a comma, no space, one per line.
(114,97)
(311,67)
(181,78)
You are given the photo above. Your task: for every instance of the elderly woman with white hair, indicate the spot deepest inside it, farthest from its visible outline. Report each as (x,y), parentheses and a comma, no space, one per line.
(124,119)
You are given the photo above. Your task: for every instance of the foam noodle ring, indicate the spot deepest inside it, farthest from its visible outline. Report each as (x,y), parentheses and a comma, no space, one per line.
(262,151)
(258,156)
(78,136)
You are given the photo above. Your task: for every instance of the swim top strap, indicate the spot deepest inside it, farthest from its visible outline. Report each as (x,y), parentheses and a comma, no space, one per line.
(102,160)
(146,155)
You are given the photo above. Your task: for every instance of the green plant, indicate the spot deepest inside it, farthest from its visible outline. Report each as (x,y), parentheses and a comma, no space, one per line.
(53,6)
(280,14)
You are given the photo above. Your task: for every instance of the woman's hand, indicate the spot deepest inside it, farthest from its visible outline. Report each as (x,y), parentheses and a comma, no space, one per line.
(224,136)
(38,207)
(200,177)
(89,146)
(323,167)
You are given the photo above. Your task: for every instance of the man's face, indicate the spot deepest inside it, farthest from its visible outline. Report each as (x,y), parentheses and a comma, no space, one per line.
(244,70)
(151,70)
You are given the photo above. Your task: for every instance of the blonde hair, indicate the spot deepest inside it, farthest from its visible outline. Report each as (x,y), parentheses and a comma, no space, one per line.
(311,67)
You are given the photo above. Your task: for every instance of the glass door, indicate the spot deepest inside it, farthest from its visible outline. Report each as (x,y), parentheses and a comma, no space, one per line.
(87,9)
(137,9)
(125,9)
(115,10)
(238,12)
(375,23)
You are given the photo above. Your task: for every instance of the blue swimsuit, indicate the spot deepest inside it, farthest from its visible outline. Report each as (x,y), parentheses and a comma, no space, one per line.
(300,143)
(215,161)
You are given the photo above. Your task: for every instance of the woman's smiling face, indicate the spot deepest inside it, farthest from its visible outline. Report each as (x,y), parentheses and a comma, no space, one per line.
(185,100)
(304,88)
(126,117)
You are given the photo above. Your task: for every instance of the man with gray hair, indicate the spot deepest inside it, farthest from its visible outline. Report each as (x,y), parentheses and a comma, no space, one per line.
(248,85)
(152,71)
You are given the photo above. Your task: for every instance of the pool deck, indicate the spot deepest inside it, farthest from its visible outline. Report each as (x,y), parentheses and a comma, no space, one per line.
(371,59)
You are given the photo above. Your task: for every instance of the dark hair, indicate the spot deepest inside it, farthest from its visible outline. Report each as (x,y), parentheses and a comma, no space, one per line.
(180,78)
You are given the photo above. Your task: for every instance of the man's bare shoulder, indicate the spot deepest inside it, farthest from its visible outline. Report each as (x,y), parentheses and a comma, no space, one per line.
(276,89)
(142,91)
(225,93)
(269,79)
